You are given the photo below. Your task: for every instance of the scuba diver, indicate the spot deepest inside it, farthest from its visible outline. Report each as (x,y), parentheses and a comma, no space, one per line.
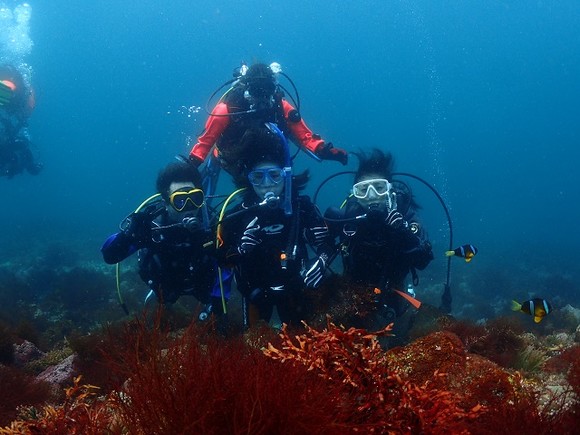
(16,105)
(381,240)
(266,237)
(254,98)
(174,241)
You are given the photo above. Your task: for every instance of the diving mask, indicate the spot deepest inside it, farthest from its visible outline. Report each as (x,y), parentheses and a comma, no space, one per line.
(379,186)
(179,200)
(259,176)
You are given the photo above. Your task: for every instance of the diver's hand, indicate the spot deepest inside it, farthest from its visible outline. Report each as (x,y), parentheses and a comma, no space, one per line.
(313,275)
(251,238)
(138,227)
(396,221)
(327,151)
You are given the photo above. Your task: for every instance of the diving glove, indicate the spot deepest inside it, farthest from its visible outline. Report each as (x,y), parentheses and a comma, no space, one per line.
(396,221)
(313,275)
(138,227)
(327,151)
(250,239)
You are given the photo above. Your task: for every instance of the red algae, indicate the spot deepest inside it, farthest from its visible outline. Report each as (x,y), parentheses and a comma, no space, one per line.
(328,381)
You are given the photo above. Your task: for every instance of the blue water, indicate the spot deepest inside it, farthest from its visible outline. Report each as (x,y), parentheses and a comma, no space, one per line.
(481,99)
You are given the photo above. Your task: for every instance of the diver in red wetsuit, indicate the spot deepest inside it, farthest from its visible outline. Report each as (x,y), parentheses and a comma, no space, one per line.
(16,105)
(255,98)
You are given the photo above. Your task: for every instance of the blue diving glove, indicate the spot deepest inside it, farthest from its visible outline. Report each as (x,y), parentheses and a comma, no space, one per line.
(250,239)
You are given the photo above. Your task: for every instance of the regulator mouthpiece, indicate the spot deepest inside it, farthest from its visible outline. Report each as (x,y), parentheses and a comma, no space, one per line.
(270,200)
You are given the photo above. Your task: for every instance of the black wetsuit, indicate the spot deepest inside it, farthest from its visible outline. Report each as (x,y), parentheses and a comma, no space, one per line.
(172,259)
(378,256)
(270,275)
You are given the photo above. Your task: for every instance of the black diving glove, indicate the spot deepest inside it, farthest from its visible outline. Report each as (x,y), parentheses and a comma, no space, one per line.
(327,151)
(313,275)
(251,237)
(137,226)
(396,220)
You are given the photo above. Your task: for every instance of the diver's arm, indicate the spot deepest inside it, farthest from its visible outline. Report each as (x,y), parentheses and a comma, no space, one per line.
(133,236)
(300,130)
(312,142)
(118,247)
(214,127)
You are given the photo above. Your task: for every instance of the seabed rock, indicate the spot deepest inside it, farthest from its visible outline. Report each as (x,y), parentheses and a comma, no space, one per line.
(25,353)
(62,373)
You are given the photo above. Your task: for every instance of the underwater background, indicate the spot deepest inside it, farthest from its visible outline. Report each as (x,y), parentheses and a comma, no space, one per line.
(480,99)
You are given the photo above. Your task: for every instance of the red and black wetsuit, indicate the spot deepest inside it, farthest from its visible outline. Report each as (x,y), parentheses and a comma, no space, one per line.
(225,129)
(15,153)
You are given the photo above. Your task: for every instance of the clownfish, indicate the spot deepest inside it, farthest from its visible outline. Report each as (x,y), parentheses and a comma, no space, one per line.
(464,251)
(537,307)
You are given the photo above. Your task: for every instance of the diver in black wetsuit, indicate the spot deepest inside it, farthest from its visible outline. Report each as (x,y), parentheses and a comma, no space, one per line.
(174,241)
(268,235)
(380,236)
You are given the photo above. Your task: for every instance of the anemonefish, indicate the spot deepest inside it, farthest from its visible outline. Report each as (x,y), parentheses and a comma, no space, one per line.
(537,307)
(464,251)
